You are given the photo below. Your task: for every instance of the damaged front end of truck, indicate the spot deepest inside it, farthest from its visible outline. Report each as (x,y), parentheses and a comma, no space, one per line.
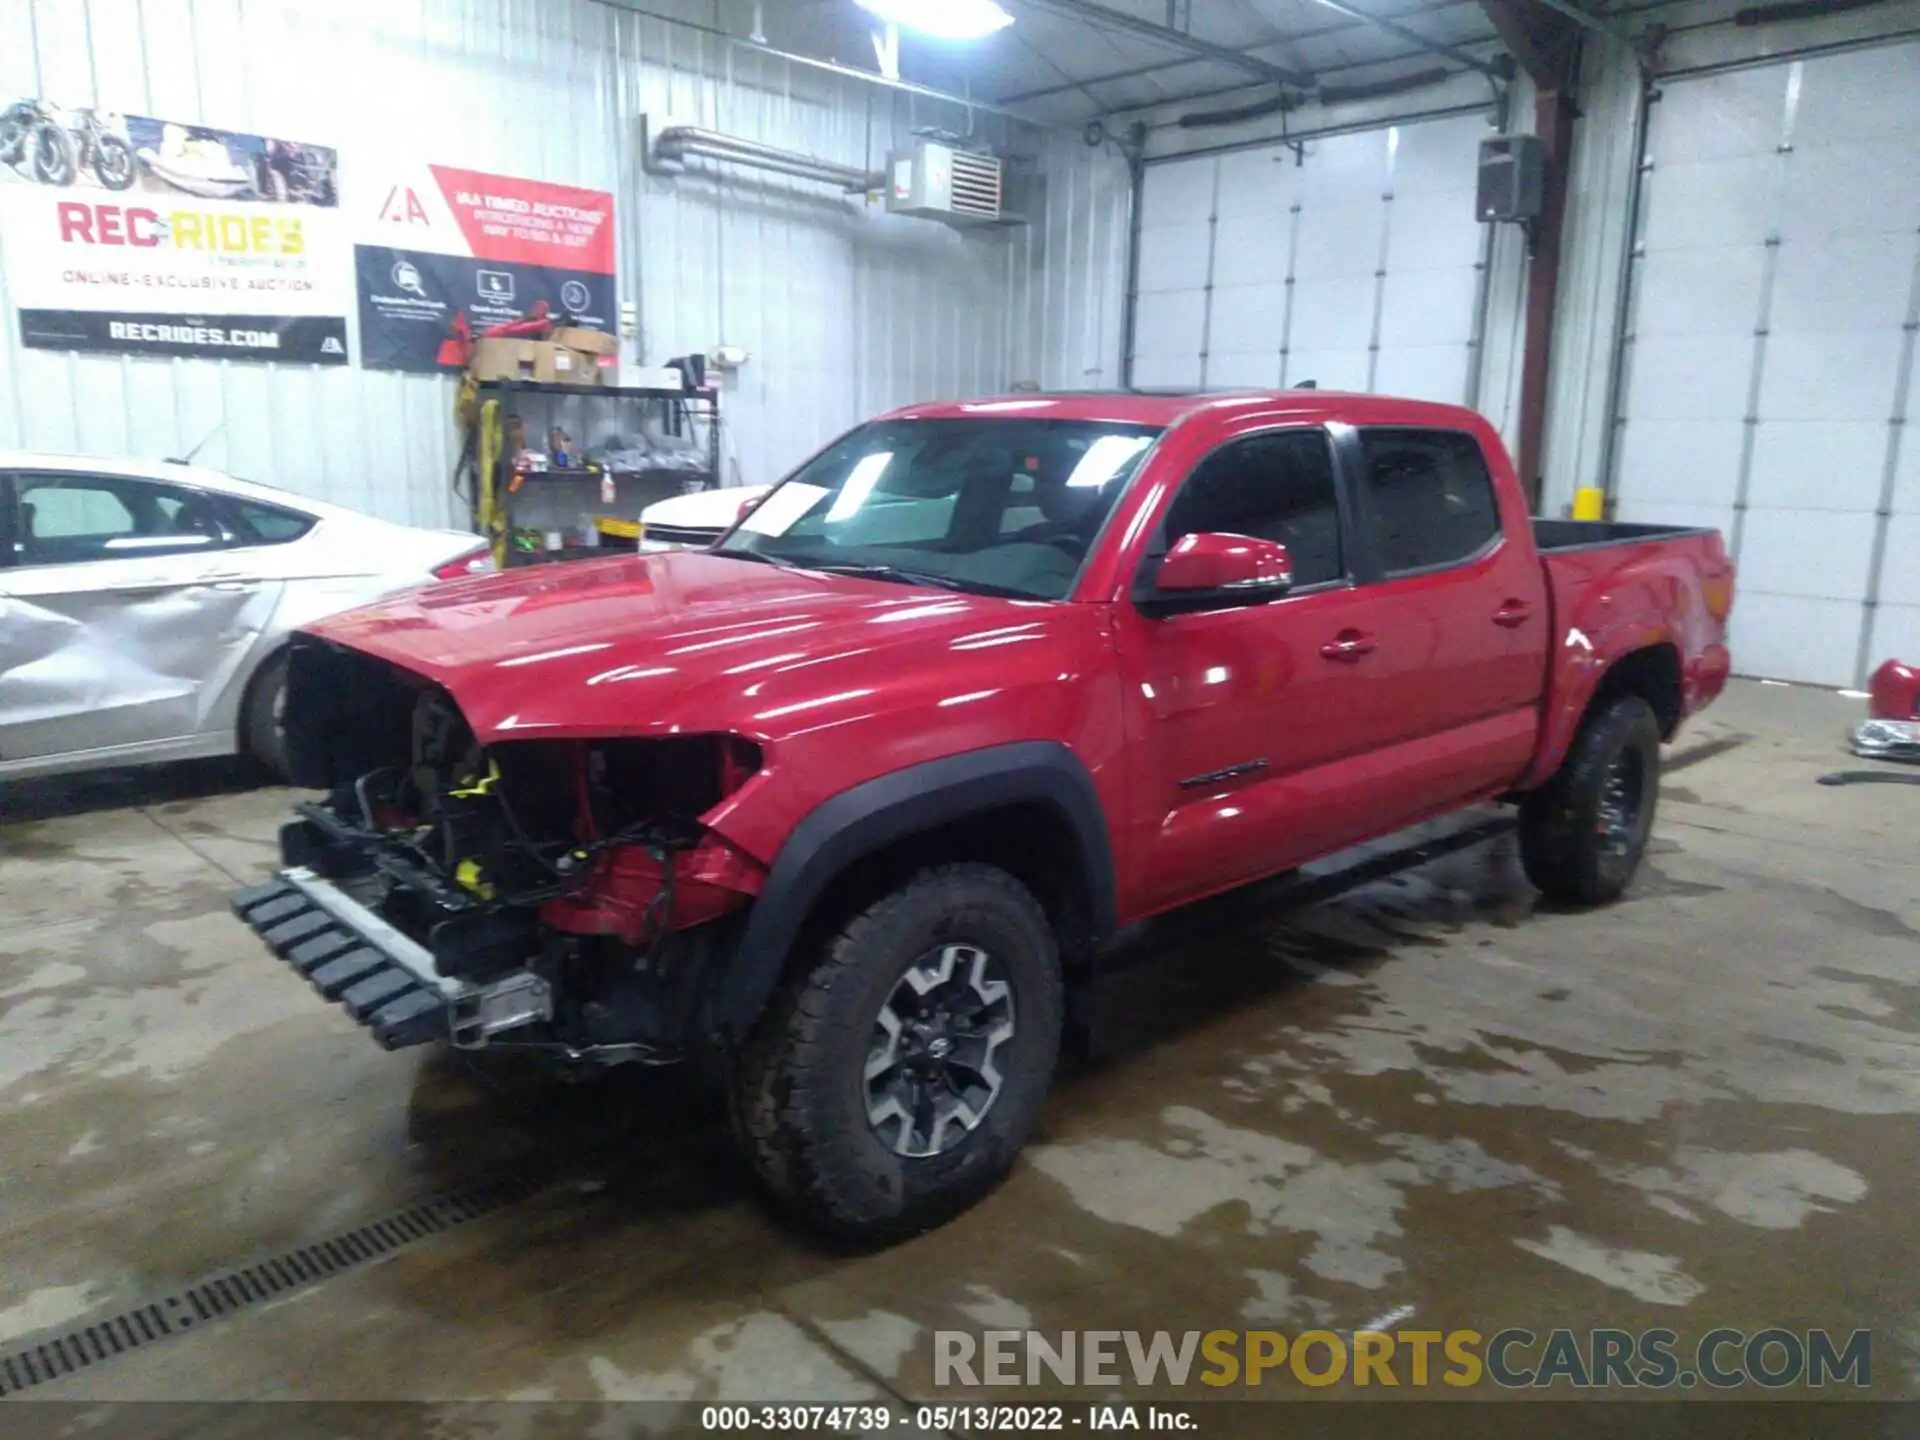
(559,895)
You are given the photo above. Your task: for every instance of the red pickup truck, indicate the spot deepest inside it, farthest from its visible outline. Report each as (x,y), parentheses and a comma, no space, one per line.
(848,799)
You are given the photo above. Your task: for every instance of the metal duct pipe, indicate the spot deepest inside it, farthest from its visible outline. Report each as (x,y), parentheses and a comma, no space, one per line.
(677,142)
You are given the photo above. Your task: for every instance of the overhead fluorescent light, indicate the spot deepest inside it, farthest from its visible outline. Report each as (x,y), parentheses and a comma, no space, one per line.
(942,19)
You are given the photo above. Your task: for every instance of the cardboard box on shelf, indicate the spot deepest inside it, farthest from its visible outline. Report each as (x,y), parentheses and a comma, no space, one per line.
(510,358)
(657,377)
(599,353)
(495,358)
(571,367)
(589,342)
(542,361)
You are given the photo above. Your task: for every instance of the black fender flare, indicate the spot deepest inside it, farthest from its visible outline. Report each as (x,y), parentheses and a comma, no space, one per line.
(861,821)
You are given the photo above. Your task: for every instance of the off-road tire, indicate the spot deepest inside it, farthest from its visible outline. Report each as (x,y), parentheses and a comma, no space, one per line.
(261,735)
(799,1101)
(1563,841)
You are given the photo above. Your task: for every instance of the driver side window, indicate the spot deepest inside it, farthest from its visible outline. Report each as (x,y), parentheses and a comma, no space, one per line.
(1274,486)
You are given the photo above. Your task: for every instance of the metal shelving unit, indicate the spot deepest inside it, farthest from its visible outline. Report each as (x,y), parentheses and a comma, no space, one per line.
(637,488)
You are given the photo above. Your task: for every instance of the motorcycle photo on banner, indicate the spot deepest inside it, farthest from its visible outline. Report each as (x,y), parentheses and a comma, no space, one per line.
(448,254)
(137,236)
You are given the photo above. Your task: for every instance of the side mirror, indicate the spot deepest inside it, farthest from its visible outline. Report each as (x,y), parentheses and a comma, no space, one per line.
(1237,568)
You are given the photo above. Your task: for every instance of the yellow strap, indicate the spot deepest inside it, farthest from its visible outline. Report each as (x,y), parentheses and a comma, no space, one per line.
(471,877)
(483,786)
(492,514)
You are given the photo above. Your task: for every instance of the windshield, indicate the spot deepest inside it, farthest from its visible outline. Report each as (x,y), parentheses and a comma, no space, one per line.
(999,506)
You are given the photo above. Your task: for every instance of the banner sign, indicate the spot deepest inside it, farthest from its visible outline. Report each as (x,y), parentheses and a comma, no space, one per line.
(138,236)
(445,243)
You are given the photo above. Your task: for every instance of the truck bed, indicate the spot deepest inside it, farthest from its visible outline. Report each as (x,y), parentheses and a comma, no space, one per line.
(1615,588)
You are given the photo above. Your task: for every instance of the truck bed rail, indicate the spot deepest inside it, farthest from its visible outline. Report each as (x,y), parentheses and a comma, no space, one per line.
(1550,535)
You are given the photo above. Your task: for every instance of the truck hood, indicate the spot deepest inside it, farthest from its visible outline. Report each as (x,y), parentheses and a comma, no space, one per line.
(687,642)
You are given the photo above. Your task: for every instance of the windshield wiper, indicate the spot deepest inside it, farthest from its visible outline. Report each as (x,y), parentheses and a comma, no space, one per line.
(828,567)
(891,572)
(761,558)
(896,573)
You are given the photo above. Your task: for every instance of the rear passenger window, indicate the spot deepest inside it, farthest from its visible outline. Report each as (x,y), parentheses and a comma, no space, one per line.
(270,525)
(1430,497)
(1277,486)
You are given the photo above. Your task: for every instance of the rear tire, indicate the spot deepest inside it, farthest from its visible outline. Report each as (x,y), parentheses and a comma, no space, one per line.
(1583,834)
(964,947)
(263,724)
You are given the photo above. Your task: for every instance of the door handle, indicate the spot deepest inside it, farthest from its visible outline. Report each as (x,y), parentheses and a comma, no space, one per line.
(1349,645)
(225,580)
(1513,614)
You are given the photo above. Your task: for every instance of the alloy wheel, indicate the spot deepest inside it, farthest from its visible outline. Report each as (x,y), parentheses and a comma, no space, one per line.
(932,1073)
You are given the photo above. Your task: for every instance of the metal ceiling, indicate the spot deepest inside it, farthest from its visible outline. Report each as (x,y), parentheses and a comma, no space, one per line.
(1070,60)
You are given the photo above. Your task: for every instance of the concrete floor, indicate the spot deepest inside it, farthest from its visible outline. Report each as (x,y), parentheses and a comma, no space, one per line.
(1426,1101)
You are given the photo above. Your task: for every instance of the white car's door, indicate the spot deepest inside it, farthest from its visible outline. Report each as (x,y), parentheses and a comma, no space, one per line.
(125,607)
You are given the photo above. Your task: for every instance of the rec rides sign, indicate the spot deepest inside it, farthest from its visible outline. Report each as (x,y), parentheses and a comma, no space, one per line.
(137,236)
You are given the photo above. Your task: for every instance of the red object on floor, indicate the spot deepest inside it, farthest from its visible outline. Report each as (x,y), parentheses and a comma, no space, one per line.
(1894,693)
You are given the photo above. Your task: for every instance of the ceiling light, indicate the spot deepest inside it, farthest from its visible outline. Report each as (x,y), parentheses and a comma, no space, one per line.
(942,19)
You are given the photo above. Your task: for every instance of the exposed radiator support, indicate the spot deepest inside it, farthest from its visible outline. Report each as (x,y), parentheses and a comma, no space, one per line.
(668,152)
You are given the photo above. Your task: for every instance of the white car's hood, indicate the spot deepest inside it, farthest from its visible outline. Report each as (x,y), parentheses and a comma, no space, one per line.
(704,509)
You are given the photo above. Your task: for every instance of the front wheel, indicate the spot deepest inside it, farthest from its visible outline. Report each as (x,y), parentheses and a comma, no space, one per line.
(1583,834)
(113,162)
(893,1083)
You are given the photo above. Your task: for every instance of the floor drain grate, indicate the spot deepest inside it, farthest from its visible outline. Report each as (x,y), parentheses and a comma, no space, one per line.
(231,1291)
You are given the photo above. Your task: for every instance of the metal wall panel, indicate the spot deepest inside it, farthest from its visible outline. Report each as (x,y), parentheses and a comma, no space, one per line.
(1176,266)
(846,310)
(1069,280)
(1359,266)
(1769,358)
(1581,441)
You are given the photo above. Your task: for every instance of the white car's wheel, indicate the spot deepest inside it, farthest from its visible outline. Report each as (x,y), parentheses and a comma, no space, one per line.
(263,728)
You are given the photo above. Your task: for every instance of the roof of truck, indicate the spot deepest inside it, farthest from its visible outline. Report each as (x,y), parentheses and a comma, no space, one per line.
(1165,409)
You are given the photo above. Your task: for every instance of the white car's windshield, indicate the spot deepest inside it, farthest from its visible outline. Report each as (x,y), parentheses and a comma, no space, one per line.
(999,506)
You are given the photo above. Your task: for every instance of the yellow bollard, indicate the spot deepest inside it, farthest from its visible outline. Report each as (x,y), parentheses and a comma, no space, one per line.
(1589,503)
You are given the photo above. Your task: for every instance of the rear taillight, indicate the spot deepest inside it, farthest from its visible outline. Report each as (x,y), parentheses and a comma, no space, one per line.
(478,561)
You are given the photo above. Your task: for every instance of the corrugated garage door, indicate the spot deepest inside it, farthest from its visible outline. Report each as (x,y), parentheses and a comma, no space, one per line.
(1769,357)
(1359,268)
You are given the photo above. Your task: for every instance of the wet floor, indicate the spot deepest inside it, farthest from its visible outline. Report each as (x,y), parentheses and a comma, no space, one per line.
(1394,1092)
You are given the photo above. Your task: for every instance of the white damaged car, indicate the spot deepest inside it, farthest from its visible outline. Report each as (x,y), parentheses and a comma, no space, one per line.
(145,607)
